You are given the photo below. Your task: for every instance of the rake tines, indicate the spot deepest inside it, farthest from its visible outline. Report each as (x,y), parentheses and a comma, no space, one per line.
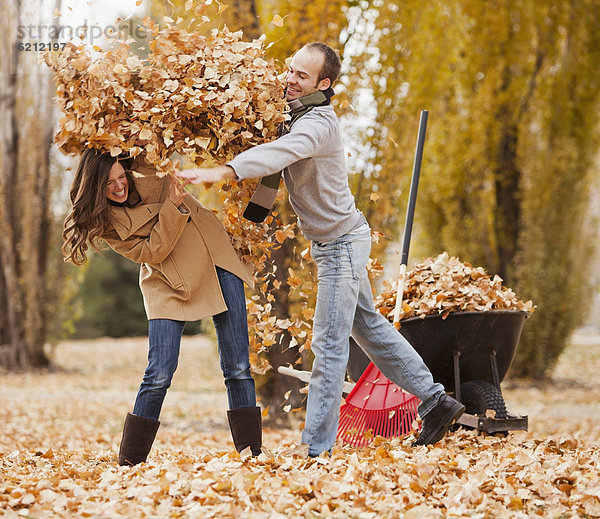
(376,407)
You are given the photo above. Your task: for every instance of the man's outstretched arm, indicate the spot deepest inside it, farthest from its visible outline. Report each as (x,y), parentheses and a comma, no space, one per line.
(206,175)
(303,141)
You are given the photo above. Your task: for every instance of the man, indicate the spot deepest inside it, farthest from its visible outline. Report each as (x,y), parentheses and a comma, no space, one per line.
(312,158)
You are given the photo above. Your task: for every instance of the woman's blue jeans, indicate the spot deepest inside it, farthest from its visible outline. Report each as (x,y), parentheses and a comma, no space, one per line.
(164,338)
(345,308)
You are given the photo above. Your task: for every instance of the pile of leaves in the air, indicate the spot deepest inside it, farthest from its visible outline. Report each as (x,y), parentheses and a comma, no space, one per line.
(445,284)
(206,98)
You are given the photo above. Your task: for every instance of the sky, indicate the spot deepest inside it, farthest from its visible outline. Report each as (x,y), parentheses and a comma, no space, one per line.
(102,12)
(98,15)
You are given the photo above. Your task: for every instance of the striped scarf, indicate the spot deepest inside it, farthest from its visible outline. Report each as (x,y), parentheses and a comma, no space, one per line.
(264,196)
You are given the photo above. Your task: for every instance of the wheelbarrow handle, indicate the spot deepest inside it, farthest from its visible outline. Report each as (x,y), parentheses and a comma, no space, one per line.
(410,213)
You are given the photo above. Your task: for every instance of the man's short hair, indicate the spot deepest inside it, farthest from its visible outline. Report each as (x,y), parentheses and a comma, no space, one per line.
(331,64)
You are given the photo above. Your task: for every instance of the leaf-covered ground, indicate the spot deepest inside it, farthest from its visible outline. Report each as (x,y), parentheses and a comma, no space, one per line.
(59,434)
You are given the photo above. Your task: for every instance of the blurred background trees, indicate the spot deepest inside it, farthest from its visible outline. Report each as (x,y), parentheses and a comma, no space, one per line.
(510,159)
(30,269)
(512,146)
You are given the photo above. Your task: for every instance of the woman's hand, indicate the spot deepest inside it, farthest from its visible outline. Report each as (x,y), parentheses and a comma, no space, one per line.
(177,192)
(206,175)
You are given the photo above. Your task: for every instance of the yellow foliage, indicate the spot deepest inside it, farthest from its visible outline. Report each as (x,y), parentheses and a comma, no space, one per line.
(512,93)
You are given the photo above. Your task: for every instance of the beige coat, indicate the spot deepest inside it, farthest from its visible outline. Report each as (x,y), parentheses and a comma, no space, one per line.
(177,252)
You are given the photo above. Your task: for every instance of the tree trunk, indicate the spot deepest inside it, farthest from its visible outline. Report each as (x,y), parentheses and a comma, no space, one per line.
(507,209)
(37,219)
(246,17)
(11,335)
(273,392)
(25,140)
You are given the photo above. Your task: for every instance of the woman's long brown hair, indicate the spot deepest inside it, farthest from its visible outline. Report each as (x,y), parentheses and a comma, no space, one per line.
(89,218)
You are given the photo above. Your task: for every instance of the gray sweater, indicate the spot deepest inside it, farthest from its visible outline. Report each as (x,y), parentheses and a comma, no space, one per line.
(312,157)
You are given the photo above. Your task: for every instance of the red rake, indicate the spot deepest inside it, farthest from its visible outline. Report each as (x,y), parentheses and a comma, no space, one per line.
(376,407)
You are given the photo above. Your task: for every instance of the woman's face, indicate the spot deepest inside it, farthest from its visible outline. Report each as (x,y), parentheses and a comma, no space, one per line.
(117,188)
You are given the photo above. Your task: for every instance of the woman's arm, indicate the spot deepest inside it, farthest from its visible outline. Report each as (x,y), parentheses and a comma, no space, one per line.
(163,236)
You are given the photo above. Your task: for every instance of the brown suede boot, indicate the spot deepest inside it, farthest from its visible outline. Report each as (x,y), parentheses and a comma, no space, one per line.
(246,428)
(138,436)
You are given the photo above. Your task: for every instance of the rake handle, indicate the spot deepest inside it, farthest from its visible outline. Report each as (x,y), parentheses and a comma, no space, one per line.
(410,213)
(304,376)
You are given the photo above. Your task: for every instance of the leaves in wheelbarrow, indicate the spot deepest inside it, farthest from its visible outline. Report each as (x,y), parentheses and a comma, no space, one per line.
(445,284)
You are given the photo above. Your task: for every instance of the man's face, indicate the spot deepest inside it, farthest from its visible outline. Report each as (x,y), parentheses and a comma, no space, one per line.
(303,74)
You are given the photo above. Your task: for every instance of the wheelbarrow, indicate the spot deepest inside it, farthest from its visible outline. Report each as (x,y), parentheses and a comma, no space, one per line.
(470,354)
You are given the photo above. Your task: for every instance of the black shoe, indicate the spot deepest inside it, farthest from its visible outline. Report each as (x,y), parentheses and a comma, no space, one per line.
(437,421)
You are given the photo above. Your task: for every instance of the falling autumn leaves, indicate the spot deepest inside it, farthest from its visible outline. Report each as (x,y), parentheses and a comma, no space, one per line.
(206,98)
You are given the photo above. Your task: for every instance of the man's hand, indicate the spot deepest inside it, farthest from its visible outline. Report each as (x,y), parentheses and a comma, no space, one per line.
(206,175)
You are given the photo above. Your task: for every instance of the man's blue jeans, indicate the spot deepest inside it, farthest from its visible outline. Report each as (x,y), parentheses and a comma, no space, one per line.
(164,338)
(345,308)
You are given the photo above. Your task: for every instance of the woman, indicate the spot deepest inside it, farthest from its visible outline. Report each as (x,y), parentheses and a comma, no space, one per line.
(188,271)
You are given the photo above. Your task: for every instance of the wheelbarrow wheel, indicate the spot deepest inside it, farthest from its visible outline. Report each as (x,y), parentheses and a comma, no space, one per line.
(478,396)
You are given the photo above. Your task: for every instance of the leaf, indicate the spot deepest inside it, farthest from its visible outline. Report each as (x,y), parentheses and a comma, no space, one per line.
(277,21)
(280,236)
(145,134)
(308,313)
(202,142)
(67,466)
